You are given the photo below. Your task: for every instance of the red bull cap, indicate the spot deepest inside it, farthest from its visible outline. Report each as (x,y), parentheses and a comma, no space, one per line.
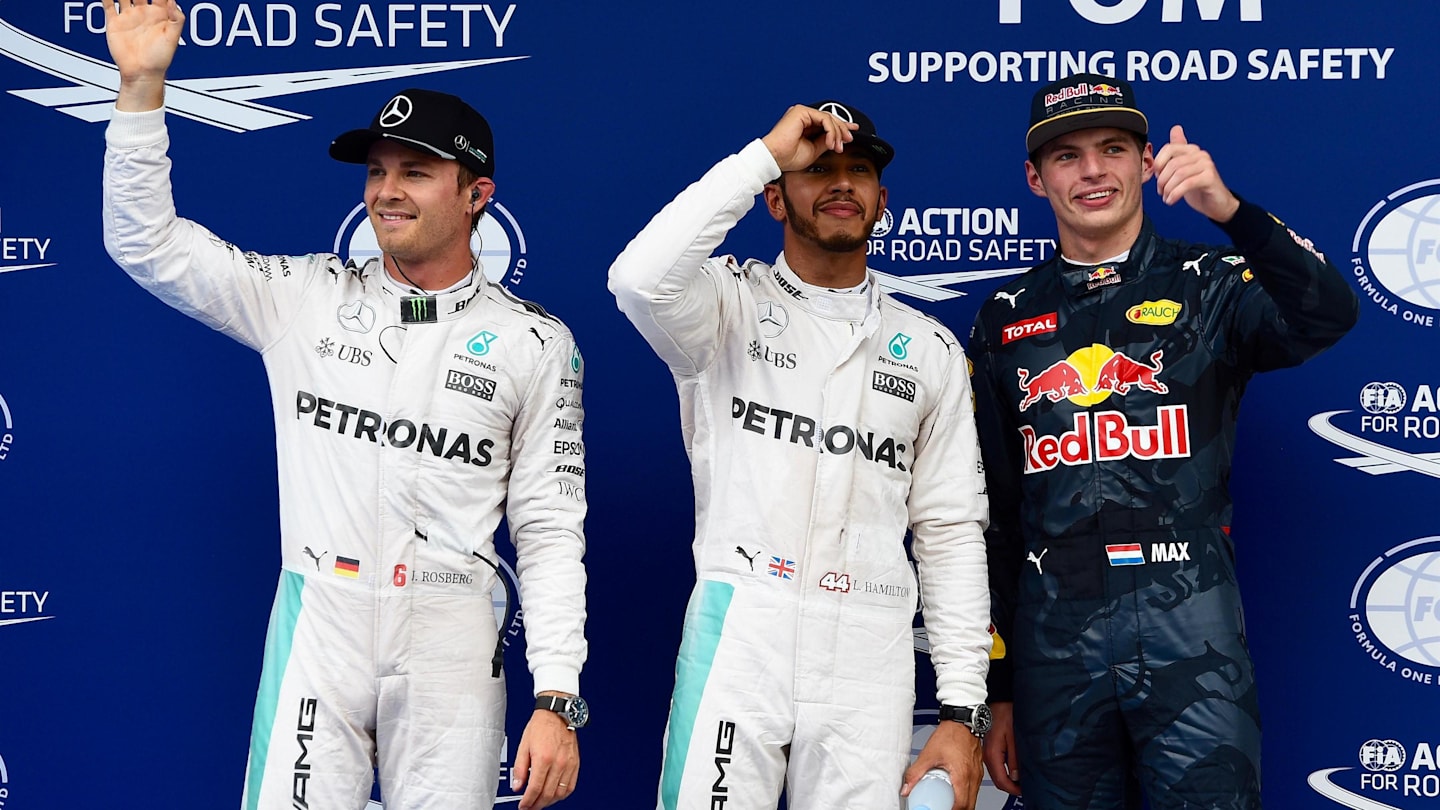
(1082,101)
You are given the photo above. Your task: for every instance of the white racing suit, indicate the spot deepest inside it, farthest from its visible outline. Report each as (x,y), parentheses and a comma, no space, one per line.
(819,426)
(399,444)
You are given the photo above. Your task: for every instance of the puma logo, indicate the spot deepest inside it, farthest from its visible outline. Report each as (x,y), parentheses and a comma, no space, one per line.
(537,337)
(1030,557)
(316,557)
(750,558)
(1194,264)
(1010,296)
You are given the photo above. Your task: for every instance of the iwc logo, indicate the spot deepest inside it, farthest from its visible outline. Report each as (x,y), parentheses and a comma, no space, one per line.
(1395,611)
(1396,253)
(498,241)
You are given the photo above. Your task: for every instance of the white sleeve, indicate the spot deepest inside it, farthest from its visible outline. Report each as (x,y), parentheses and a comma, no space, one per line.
(247,296)
(948,514)
(546,512)
(663,282)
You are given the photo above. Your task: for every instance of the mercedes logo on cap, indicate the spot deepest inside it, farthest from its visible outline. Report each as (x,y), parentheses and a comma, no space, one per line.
(396,112)
(838,110)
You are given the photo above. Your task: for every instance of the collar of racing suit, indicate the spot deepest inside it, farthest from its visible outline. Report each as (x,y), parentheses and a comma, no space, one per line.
(449,305)
(824,302)
(1081,279)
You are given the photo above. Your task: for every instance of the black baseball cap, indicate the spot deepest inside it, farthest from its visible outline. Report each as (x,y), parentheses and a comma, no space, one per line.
(1082,101)
(864,137)
(426,121)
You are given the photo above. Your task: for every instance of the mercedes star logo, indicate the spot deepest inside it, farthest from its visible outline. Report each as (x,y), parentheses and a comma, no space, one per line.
(838,110)
(773,318)
(396,112)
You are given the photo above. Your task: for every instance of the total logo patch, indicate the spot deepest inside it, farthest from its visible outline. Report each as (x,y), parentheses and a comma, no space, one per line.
(497,242)
(1030,327)
(1154,313)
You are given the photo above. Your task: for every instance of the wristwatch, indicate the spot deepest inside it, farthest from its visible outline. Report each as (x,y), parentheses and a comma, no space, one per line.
(976,718)
(573,708)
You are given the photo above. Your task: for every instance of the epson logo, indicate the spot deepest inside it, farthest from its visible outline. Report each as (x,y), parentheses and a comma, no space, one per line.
(894,386)
(1109,13)
(472,384)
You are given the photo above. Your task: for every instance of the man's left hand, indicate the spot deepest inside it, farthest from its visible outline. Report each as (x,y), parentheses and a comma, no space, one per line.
(1185,171)
(547,764)
(954,749)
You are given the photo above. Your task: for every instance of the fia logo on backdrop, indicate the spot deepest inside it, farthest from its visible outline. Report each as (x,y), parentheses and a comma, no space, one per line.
(1388,775)
(1395,429)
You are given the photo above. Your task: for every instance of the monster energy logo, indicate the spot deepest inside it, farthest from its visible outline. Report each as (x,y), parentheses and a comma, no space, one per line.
(418,309)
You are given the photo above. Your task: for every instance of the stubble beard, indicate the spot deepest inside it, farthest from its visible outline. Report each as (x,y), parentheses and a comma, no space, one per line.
(805,227)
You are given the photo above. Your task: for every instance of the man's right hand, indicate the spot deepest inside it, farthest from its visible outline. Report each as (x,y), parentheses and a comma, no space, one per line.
(142,37)
(803,134)
(1001,758)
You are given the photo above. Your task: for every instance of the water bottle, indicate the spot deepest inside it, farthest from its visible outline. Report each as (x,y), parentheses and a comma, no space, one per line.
(932,792)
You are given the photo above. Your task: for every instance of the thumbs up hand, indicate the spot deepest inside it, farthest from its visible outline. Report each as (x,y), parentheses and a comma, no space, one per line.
(1185,171)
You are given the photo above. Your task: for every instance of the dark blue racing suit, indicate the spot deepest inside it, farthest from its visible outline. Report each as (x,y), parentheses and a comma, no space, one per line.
(1106,405)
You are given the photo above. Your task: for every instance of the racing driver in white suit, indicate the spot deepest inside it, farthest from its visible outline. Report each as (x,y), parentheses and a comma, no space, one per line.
(821,418)
(414,402)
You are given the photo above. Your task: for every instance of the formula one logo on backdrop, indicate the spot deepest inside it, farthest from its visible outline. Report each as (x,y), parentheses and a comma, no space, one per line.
(952,235)
(229,102)
(1396,254)
(498,241)
(1395,429)
(1388,771)
(1394,611)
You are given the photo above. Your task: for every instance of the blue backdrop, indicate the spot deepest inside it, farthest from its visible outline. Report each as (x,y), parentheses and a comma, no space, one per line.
(138,521)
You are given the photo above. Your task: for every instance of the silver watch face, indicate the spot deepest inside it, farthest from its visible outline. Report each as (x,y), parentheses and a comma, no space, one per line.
(577,711)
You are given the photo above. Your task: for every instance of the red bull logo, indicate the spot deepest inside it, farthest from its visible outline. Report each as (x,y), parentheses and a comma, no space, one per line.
(1109,436)
(1067,93)
(1105,90)
(1060,381)
(1102,276)
(1087,377)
